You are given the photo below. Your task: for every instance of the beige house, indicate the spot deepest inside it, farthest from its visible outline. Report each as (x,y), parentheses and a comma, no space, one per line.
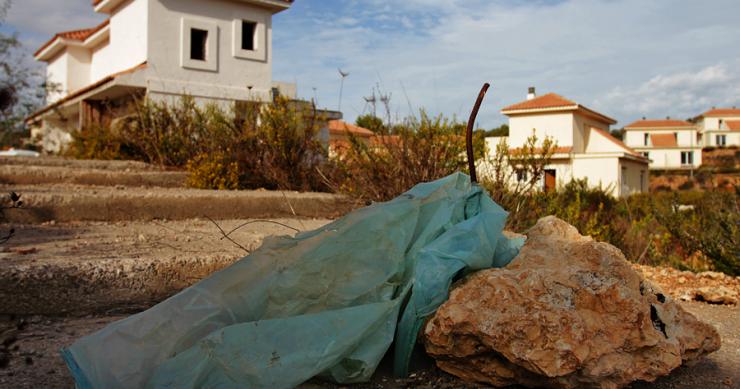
(719,127)
(214,50)
(669,144)
(586,150)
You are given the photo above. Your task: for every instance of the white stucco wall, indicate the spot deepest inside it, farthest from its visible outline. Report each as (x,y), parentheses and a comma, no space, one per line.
(583,132)
(232,75)
(684,137)
(557,125)
(636,179)
(128,43)
(670,158)
(600,171)
(78,68)
(56,74)
(732,138)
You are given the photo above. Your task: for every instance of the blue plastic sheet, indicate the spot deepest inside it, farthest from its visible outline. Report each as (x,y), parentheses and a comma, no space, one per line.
(328,302)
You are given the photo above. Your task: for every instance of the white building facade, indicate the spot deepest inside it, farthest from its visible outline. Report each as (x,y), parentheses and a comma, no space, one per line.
(669,144)
(719,127)
(585,149)
(214,50)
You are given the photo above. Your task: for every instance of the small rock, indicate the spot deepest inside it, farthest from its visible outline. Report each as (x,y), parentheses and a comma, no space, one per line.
(716,295)
(713,275)
(681,280)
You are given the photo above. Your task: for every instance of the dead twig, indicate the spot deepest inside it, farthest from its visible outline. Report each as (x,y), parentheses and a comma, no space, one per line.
(292,210)
(469,132)
(258,221)
(227,237)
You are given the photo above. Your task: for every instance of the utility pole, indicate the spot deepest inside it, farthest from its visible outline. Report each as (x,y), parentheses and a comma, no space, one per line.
(341,87)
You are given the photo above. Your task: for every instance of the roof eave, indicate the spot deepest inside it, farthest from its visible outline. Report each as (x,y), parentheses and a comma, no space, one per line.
(508,112)
(660,128)
(107,6)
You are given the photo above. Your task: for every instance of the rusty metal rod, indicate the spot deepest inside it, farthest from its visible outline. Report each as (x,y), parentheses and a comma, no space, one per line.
(469,132)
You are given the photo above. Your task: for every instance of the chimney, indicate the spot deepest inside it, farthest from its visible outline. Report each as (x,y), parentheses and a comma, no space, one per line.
(531,93)
(668,118)
(643,118)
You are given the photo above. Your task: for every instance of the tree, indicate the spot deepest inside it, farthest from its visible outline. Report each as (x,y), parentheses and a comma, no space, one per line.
(502,130)
(371,122)
(22,88)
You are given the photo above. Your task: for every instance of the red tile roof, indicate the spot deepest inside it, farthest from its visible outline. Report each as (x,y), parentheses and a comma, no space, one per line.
(666,123)
(550,100)
(722,112)
(553,101)
(663,140)
(75,35)
(339,127)
(733,125)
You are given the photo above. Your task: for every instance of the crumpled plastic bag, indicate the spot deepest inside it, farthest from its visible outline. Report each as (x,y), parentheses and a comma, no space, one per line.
(328,302)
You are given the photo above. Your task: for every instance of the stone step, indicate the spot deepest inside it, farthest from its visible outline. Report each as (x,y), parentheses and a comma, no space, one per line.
(67,203)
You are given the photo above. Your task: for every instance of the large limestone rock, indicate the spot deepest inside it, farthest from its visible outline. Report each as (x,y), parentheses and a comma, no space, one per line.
(567,312)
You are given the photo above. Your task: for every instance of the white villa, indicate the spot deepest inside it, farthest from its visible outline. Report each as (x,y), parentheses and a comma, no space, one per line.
(213,50)
(669,144)
(585,147)
(719,127)
(677,144)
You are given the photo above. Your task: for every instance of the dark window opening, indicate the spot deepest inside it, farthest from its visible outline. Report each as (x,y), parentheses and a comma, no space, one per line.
(248,31)
(647,137)
(198,44)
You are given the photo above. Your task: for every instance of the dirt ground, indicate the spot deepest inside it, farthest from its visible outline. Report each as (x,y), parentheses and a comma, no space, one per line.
(113,257)
(35,361)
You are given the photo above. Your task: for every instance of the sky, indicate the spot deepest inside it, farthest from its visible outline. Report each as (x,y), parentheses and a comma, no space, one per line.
(625,59)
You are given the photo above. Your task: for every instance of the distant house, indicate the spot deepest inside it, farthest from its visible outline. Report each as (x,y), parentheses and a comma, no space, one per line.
(213,50)
(585,150)
(337,133)
(669,144)
(719,127)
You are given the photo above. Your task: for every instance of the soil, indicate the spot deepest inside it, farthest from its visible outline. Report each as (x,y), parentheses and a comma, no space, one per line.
(34,360)
(65,275)
(194,248)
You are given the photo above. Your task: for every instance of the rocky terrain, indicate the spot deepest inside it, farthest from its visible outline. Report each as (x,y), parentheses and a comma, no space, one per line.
(61,279)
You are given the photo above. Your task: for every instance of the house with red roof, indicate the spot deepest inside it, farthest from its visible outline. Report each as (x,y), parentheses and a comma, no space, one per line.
(719,127)
(585,149)
(668,143)
(214,50)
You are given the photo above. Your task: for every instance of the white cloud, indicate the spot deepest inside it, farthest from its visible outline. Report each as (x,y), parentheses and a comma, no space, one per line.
(610,55)
(38,20)
(581,49)
(679,95)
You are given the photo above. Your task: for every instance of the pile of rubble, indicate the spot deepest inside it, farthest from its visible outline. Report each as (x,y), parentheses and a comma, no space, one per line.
(711,287)
(567,312)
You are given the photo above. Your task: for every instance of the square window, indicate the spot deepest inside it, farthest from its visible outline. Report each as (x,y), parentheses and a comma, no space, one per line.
(721,140)
(687,158)
(249,38)
(198,44)
(249,29)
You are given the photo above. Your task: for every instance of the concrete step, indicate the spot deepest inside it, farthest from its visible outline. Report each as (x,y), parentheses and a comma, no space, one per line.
(38,175)
(66,203)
